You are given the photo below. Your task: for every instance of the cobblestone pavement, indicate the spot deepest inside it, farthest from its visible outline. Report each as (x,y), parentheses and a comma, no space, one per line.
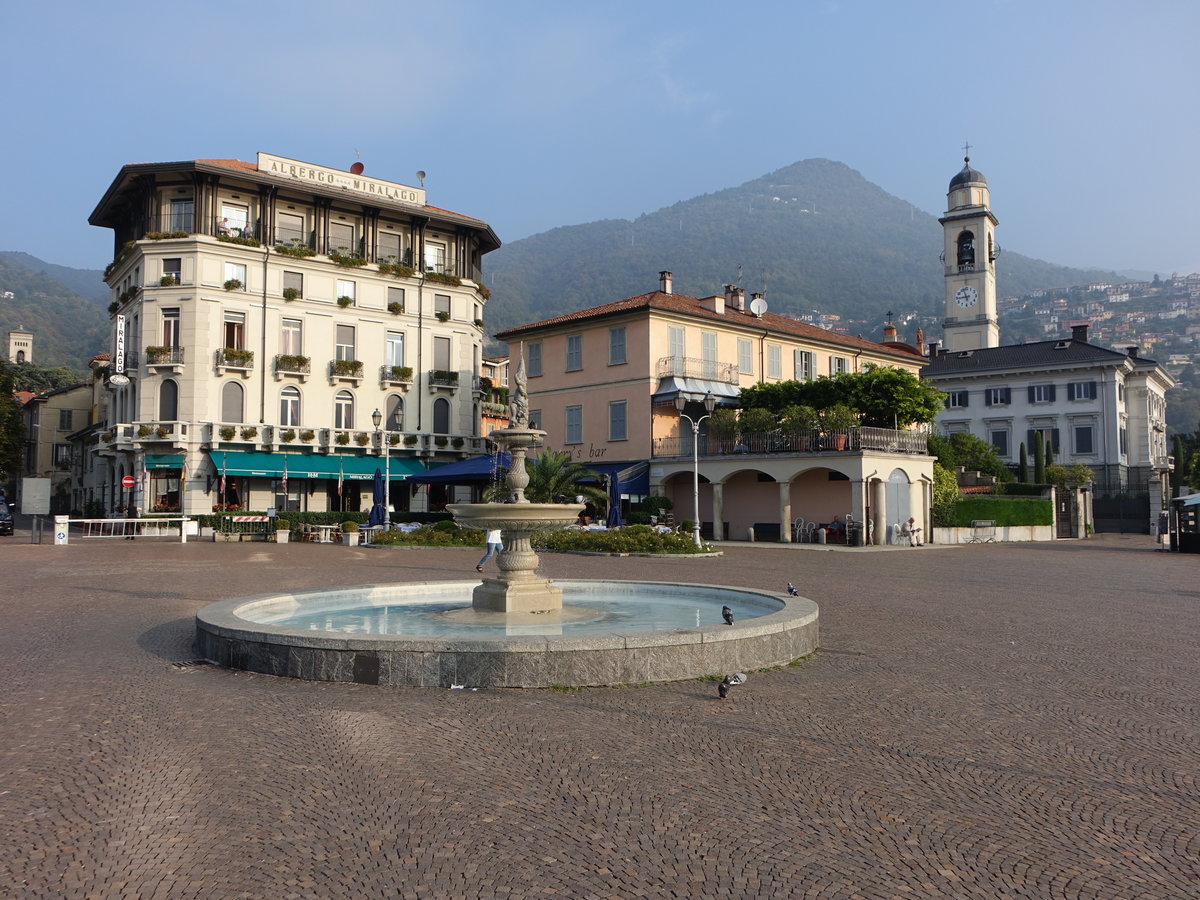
(981,721)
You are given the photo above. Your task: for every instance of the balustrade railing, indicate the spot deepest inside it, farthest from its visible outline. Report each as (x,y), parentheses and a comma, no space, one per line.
(884,440)
(688,367)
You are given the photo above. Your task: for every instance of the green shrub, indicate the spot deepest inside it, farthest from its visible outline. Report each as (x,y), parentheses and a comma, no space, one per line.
(431,536)
(350,526)
(1003,511)
(631,539)
(447,525)
(283,525)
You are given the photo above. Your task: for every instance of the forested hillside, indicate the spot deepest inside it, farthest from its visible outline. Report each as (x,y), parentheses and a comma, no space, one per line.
(68,329)
(815,236)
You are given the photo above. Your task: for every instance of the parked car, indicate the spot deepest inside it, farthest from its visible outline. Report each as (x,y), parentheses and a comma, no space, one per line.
(6,519)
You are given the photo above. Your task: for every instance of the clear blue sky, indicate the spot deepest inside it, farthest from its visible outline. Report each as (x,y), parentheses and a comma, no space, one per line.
(533,114)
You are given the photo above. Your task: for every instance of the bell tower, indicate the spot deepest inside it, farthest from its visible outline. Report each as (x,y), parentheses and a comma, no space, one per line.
(969,258)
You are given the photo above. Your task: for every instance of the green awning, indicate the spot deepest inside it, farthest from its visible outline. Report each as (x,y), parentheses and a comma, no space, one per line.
(250,464)
(158,461)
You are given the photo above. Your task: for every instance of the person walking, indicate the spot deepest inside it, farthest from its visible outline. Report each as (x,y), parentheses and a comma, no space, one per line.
(131,528)
(493,547)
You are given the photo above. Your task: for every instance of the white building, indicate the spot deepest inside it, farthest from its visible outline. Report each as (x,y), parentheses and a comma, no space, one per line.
(262,311)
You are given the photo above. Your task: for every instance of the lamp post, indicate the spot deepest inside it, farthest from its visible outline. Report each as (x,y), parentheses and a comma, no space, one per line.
(709,402)
(376,419)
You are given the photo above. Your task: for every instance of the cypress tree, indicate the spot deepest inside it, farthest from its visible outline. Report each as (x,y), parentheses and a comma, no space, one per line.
(1039,463)
(1049,453)
(1023,467)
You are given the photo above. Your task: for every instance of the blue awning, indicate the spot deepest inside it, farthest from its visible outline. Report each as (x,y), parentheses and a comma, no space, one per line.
(476,470)
(252,464)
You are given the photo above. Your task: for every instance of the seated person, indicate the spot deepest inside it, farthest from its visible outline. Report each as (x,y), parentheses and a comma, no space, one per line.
(910,530)
(837,530)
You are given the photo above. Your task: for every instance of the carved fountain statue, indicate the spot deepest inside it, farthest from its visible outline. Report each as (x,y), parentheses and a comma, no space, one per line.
(518,589)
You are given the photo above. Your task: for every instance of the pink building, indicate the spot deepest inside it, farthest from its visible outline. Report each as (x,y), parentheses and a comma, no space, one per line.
(607,384)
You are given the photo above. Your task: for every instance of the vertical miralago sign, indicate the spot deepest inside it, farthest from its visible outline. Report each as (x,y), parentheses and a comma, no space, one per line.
(119,346)
(304,173)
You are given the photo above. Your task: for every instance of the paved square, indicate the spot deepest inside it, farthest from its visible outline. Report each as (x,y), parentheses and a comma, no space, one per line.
(983,721)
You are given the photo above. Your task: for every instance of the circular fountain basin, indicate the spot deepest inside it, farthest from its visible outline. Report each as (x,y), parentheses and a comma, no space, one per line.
(610,632)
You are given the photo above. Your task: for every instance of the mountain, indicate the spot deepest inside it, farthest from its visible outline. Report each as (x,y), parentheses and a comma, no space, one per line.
(815,235)
(69,326)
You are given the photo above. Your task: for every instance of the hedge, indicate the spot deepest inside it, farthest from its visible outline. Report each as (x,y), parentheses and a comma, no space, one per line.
(1016,488)
(1003,511)
(631,539)
(296,517)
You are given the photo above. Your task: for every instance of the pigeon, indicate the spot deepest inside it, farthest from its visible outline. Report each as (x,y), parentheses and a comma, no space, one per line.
(727,615)
(791,589)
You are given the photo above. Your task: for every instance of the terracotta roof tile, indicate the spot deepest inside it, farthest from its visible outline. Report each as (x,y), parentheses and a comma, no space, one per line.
(682,303)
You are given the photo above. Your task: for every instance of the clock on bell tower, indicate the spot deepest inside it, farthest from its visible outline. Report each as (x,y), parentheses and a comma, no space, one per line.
(969,258)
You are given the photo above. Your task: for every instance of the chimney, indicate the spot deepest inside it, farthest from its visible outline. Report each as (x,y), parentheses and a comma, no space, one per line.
(933,347)
(730,295)
(1079,333)
(1132,351)
(739,298)
(889,333)
(664,282)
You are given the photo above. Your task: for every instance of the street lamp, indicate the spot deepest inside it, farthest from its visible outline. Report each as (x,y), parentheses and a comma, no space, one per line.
(376,419)
(709,402)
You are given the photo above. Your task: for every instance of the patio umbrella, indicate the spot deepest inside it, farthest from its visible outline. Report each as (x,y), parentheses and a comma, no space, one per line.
(614,501)
(378,515)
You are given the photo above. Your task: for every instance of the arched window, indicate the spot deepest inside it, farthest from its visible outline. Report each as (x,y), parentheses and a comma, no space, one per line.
(343,410)
(395,413)
(441,416)
(289,406)
(168,401)
(20,356)
(966,250)
(233,402)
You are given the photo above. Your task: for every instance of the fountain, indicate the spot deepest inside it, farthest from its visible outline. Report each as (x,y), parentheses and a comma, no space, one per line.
(517,630)
(518,590)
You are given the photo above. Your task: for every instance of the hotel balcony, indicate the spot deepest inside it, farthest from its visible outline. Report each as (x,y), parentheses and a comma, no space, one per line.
(291,364)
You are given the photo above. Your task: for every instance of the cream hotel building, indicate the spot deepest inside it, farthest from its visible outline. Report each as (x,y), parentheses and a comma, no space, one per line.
(263,312)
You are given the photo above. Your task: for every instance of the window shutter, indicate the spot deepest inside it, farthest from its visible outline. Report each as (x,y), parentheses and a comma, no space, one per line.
(1031,397)
(987,398)
(1030,438)
(1007,394)
(1051,393)
(965,399)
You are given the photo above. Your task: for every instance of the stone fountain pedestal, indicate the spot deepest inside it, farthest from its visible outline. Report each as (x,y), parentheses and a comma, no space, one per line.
(518,588)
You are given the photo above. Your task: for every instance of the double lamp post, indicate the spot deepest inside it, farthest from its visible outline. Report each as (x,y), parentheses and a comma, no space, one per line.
(680,404)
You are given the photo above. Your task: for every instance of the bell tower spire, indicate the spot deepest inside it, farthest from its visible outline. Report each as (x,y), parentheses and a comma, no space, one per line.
(969,257)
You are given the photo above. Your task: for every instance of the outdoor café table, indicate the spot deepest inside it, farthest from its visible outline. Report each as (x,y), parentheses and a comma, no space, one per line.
(325,533)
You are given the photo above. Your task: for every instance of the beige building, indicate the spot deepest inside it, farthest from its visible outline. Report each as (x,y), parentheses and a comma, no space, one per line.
(20,346)
(262,312)
(50,419)
(606,382)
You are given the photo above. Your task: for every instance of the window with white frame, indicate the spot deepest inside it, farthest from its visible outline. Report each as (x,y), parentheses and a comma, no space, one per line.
(574,352)
(235,272)
(574,425)
(806,365)
(234,331)
(1041,393)
(997,396)
(1081,390)
(616,421)
(343,349)
(170,320)
(345,289)
(774,361)
(343,410)
(291,337)
(395,348)
(534,359)
(289,407)
(957,400)
(435,257)
(745,357)
(616,346)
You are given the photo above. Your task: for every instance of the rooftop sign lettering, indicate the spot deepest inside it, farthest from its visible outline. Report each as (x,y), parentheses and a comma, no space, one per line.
(347,181)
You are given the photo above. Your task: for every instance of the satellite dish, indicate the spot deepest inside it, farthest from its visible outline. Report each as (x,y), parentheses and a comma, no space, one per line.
(758,306)
(421,176)
(357,168)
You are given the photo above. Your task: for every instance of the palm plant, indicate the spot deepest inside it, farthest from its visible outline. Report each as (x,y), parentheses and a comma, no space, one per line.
(553,476)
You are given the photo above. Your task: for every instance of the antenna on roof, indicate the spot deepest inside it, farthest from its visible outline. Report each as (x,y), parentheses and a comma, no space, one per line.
(739,278)
(421,176)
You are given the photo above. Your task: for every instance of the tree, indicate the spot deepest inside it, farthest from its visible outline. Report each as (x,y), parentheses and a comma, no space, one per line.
(11,431)
(972,453)
(945,494)
(885,398)
(1039,462)
(552,477)
(39,379)
(1077,473)
(1049,453)
(1023,466)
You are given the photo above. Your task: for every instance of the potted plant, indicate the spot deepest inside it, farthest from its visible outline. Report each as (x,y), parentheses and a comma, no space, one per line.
(283,531)
(344,301)
(233,284)
(291,293)
(362,439)
(410,440)
(249,432)
(307,435)
(162,431)
(350,533)
(394,439)
(395,307)
(401,373)
(287,435)
(227,432)
(443,316)
(836,421)
(456,443)
(167,280)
